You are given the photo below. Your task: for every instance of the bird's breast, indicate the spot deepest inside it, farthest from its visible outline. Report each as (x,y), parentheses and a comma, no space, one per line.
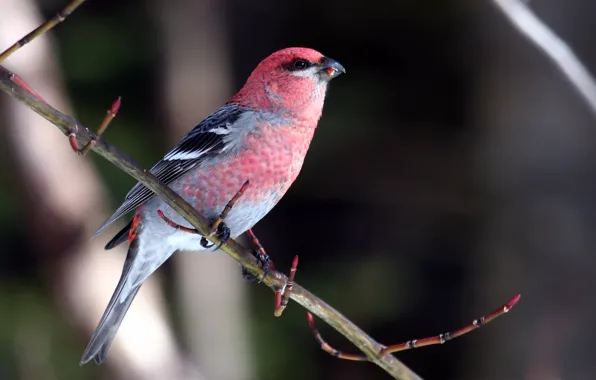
(270,158)
(278,151)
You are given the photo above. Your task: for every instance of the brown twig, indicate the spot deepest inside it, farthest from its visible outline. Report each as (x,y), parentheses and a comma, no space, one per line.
(110,115)
(260,250)
(415,343)
(18,80)
(42,29)
(228,208)
(281,300)
(255,241)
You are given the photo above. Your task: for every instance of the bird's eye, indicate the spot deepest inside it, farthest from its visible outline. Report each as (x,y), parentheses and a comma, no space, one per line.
(300,64)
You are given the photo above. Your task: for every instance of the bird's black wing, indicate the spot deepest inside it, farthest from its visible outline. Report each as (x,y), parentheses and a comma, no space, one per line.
(206,140)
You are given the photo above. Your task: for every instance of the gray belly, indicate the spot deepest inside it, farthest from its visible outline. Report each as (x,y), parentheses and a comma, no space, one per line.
(242,217)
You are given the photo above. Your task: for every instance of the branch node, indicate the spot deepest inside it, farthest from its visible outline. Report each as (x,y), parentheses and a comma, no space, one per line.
(72,139)
(110,115)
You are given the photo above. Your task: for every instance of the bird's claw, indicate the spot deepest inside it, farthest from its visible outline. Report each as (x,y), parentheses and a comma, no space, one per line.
(265,263)
(222,232)
(246,275)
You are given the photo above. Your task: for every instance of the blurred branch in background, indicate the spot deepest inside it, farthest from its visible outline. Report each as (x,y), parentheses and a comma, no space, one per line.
(535,157)
(554,47)
(64,201)
(196,79)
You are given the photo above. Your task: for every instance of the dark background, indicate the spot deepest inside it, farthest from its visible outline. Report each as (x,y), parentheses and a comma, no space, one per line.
(452,169)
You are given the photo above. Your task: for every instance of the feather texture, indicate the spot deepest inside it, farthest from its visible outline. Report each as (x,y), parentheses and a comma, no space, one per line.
(206,140)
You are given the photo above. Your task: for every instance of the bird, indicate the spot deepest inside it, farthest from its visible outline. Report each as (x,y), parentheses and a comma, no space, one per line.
(262,134)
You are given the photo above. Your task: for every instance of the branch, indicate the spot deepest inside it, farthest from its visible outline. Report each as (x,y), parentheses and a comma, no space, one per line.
(414,343)
(39,31)
(274,280)
(554,47)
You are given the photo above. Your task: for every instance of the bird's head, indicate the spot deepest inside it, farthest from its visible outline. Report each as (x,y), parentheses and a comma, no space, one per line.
(294,79)
(297,66)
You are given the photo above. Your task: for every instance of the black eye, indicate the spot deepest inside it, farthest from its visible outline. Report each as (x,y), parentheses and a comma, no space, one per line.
(300,64)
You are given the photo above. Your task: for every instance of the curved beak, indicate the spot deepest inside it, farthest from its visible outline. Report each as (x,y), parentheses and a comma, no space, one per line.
(330,68)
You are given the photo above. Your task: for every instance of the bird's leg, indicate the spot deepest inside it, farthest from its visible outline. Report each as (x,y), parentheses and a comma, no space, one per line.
(415,343)
(218,227)
(282,296)
(222,231)
(110,115)
(175,225)
(261,255)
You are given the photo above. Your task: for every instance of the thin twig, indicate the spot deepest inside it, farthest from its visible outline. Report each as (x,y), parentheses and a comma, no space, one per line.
(259,247)
(110,115)
(554,47)
(274,280)
(42,29)
(18,80)
(415,343)
(228,208)
(281,300)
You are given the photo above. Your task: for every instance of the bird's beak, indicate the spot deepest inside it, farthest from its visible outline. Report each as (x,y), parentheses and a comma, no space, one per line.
(330,68)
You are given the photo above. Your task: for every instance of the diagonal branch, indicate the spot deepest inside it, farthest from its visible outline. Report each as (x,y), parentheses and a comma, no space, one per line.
(530,26)
(274,280)
(40,30)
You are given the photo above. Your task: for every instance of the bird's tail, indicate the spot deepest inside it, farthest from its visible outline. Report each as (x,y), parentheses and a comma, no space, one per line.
(121,300)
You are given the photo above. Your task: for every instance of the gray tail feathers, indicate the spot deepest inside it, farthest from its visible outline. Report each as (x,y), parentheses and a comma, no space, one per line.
(105,333)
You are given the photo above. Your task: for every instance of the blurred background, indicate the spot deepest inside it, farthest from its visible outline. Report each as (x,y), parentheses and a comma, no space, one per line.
(453,168)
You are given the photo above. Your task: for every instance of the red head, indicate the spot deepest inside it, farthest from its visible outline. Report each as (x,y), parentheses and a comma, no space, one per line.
(293,80)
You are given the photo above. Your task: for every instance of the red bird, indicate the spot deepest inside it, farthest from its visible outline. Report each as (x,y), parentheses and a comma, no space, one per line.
(262,135)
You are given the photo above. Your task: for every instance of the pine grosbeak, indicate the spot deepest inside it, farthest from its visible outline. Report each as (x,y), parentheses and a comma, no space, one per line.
(262,135)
